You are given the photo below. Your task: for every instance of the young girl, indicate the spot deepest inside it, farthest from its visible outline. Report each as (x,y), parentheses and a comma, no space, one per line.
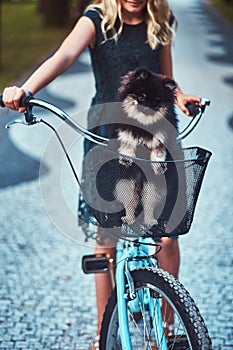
(122,35)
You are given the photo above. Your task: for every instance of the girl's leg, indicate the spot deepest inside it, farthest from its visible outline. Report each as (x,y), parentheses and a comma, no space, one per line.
(169,256)
(169,260)
(104,286)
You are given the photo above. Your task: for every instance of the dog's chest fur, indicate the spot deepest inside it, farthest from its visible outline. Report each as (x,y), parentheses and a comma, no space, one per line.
(151,135)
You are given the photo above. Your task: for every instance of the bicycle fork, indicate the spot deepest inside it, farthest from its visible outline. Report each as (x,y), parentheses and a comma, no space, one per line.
(123,278)
(122,306)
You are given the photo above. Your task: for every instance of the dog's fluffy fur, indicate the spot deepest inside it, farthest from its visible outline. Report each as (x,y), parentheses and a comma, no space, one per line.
(149,120)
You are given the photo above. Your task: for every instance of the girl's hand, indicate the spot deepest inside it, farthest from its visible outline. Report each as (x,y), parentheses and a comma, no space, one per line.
(182,100)
(11,98)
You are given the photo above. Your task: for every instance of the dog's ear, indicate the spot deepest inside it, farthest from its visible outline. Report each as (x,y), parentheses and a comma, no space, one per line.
(170,83)
(141,74)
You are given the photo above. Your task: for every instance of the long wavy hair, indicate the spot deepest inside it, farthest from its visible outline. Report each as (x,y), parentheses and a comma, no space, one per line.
(157,16)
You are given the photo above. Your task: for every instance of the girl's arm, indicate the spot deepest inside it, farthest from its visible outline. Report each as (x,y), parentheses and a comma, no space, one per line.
(166,69)
(82,35)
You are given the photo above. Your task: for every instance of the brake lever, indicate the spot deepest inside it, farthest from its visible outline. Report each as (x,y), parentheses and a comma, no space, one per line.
(28,119)
(22,121)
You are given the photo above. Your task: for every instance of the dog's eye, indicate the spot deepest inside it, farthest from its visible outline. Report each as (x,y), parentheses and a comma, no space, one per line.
(141,97)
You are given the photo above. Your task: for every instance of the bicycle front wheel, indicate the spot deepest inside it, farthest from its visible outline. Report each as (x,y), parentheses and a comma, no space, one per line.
(162,316)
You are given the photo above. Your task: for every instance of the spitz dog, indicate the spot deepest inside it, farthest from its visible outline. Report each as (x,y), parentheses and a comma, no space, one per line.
(149,122)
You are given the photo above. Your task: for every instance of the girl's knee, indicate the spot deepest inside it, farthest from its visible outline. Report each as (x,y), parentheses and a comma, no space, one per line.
(170,244)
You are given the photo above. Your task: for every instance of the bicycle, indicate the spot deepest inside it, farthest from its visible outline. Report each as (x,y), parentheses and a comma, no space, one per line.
(148,308)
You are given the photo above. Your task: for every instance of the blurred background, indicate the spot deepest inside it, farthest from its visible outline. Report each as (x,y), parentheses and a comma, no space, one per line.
(38,26)
(30,30)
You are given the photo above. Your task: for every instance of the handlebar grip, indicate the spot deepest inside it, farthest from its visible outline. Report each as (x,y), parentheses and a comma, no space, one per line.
(22,103)
(1,102)
(193,108)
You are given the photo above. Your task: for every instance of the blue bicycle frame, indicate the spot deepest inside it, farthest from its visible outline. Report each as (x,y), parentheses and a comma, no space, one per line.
(127,260)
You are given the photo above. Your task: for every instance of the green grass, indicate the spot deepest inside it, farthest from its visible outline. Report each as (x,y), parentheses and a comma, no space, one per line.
(224,8)
(25,42)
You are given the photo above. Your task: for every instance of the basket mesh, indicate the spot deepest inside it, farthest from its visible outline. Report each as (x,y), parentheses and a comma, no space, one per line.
(131,198)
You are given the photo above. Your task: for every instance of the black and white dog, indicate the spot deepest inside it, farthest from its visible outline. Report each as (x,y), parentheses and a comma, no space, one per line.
(149,121)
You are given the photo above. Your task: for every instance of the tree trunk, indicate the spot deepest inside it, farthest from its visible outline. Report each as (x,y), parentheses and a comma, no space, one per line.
(55,13)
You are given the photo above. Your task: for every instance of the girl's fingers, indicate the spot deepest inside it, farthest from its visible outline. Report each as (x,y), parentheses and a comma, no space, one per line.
(12,96)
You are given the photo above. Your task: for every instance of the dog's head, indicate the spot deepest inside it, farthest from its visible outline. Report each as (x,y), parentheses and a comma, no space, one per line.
(146,96)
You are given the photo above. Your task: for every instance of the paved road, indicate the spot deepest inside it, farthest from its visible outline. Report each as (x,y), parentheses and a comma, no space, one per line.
(46,302)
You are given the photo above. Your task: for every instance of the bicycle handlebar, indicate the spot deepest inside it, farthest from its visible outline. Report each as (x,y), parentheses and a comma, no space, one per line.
(30,102)
(197,111)
(29,119)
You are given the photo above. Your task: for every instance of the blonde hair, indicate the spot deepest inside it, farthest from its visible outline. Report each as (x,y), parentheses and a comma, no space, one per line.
(158,18)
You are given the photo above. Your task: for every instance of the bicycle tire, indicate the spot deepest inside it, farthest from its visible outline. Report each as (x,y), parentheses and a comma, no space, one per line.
(190,331)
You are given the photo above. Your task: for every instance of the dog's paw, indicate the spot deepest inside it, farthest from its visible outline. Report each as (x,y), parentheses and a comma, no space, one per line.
(127,162)
(149,222)
(129,220)
(159,168)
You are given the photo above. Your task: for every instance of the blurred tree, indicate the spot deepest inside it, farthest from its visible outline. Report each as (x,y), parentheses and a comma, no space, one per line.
(83,4)
(58,13)
(78,7)
(0,34)
(55,13)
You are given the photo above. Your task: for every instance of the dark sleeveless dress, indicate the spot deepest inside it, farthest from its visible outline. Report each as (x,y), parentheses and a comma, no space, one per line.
(111,60)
